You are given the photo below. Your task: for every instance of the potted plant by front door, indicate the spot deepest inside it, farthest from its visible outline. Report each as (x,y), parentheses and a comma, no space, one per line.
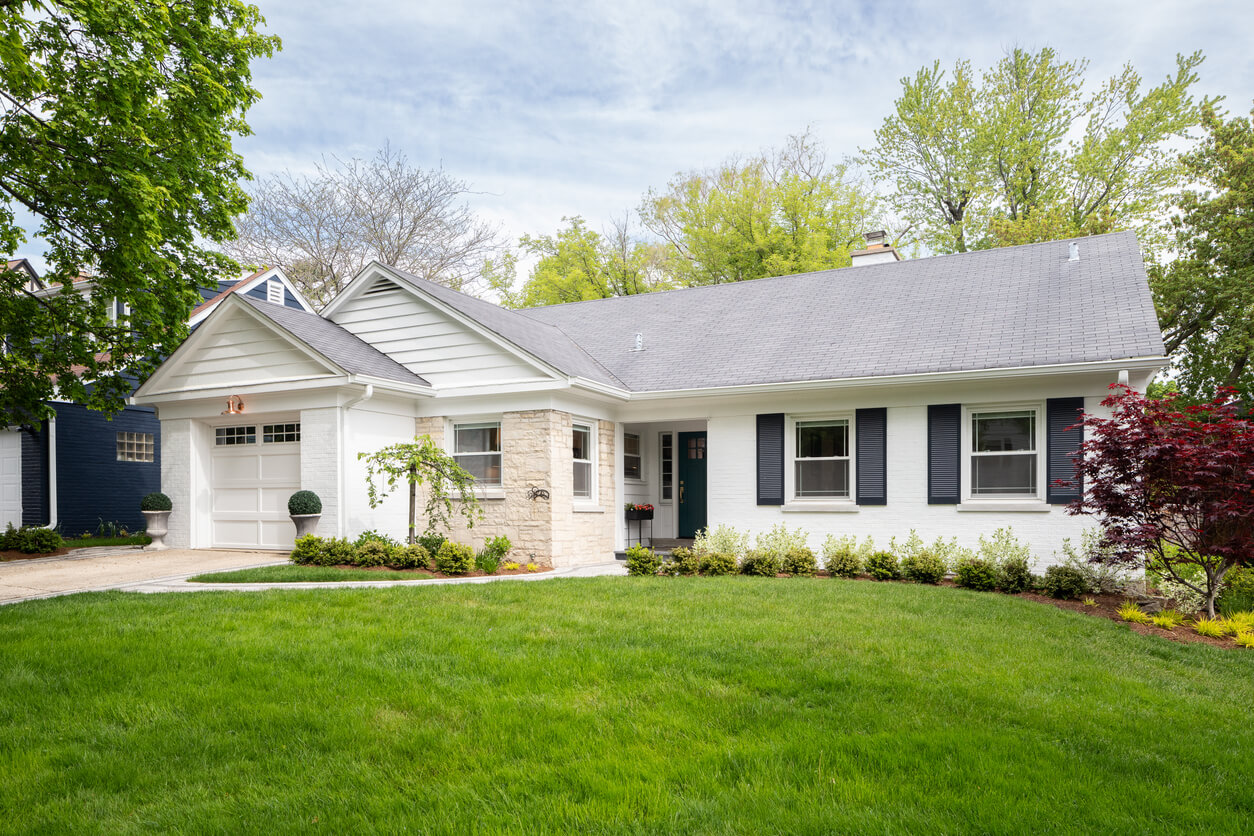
(156,507)
(306,509)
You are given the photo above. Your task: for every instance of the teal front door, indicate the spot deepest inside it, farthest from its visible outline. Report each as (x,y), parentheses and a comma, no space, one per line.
(691,483)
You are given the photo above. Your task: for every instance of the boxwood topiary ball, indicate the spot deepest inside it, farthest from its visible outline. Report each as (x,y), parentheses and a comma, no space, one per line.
(155,501)
(304,502)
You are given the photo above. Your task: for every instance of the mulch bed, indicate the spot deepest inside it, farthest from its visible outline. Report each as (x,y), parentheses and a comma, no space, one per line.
(7,556)
(427,573)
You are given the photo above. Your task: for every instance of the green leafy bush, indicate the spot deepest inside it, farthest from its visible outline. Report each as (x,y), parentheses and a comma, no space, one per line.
(1238,591)
(1003,546)
(372,536)
(924,566)
(308,550)
(487,561)
(722,540)
(1093,560)
(30,540)
(642,560)
(883,566)
(684,562)
(975,573)
(718,563)
(413,556)
(843,558)
(432,542)
(372,553)
(761,564)
(455,558)
(155,501)
(338,552)
(1014,575)
(498,546)
(800,562)
(780,540)
(1065,582)
(304,502)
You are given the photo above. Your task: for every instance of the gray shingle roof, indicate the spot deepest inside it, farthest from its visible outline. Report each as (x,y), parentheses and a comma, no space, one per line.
(346,350)
(543,341)
(1005,308)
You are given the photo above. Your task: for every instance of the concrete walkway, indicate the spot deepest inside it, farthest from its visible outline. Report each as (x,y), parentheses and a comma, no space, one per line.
(132,569)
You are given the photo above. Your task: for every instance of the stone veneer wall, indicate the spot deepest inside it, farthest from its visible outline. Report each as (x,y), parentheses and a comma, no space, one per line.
(536,452)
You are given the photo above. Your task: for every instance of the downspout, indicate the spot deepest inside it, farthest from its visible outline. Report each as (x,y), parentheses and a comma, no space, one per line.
(52,473)
(341,418)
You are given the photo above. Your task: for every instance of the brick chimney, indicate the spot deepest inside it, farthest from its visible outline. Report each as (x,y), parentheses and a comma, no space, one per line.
(878,250)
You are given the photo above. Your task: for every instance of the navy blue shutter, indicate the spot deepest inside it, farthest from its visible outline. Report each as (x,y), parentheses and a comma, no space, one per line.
(771,459)
(872,459)
(944,454)
(1063,437)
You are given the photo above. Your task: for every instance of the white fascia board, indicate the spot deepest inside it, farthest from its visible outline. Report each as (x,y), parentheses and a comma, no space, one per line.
(269,387)
(1140,364)
(394,385)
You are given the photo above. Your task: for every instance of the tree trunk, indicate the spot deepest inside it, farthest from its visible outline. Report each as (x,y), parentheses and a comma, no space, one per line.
(413,502)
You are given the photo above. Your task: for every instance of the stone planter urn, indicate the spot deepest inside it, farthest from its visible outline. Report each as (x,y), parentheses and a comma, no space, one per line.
(305,508)
(305,523)
(156,509)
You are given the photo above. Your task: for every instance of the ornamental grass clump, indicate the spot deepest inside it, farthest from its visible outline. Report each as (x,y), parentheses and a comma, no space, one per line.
(883,566)
(800,563)
(975,573)
(1244,639)
(1214,628)
(1167,619)
(455,558)
(1129,611)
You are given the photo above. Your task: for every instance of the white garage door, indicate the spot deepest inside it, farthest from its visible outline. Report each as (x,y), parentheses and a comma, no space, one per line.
(10,478)
(256,467)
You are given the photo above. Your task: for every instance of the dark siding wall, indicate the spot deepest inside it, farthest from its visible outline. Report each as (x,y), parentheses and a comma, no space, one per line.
(91,483)
(289,300)
(35,477)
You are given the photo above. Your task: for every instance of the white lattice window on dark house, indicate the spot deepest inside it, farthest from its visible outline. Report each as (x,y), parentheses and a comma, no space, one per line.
(477,448)
(136,447)
(666,445)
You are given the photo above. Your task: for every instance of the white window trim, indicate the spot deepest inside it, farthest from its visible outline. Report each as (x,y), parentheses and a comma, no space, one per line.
(818,503)
(642,478)
(274,288)
(1009,502)
(660,435)
(450,447)
(587,503)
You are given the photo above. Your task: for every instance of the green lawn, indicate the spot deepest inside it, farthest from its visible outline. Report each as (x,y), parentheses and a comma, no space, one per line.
(92,542)
(613,705)
(291,573)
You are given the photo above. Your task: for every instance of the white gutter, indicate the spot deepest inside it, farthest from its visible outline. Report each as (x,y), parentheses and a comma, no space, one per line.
(52,473)
(341,482)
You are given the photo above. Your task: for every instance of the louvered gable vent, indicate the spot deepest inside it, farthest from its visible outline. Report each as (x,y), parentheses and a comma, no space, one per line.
(380,287)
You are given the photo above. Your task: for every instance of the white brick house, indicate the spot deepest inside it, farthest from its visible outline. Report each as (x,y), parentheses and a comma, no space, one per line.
(933,394)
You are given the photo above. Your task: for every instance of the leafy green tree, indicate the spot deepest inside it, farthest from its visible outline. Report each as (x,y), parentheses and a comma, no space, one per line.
(780,212)
(422,462)
(579,263)
(116,135)
(1025,155)
(1205,296)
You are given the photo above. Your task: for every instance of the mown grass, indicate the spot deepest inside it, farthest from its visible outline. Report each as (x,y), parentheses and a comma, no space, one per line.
(729,705)
(291,573)
(93,542)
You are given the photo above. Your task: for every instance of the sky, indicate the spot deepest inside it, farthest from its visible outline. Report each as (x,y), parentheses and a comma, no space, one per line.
(553,109)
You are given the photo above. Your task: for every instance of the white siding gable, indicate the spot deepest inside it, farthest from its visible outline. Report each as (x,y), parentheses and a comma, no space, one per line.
(429,342)
(239,350)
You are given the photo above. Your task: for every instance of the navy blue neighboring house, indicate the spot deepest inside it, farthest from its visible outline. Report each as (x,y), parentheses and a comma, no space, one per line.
(83,469)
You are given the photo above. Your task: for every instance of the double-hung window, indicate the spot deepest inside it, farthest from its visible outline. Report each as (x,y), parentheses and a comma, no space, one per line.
(822,461)
(583,448)
(477,448)
(1004,455)
(631,457)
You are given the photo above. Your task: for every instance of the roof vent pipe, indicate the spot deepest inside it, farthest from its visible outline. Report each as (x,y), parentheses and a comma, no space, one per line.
(639,343)
(1074,252)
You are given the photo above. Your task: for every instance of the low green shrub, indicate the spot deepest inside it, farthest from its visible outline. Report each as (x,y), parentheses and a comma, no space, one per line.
(642,560)
(684,562)
(800,562)
(156,501)
(761,564)
(413,556)
(498,546)
(975,573)
(304,502)
(308,550)
(1211,627)
(372,536)
(842,557)
(1238,591)
(30,540)
(455,558)
(337,552)
(718,563)
(1014,575)
(722,540)
(883,566)
(488,562)
(432,541)
(372,553)
(1065,582)
(924,566)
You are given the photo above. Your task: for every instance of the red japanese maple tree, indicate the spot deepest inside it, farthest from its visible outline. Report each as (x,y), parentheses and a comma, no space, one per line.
(1174,485)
